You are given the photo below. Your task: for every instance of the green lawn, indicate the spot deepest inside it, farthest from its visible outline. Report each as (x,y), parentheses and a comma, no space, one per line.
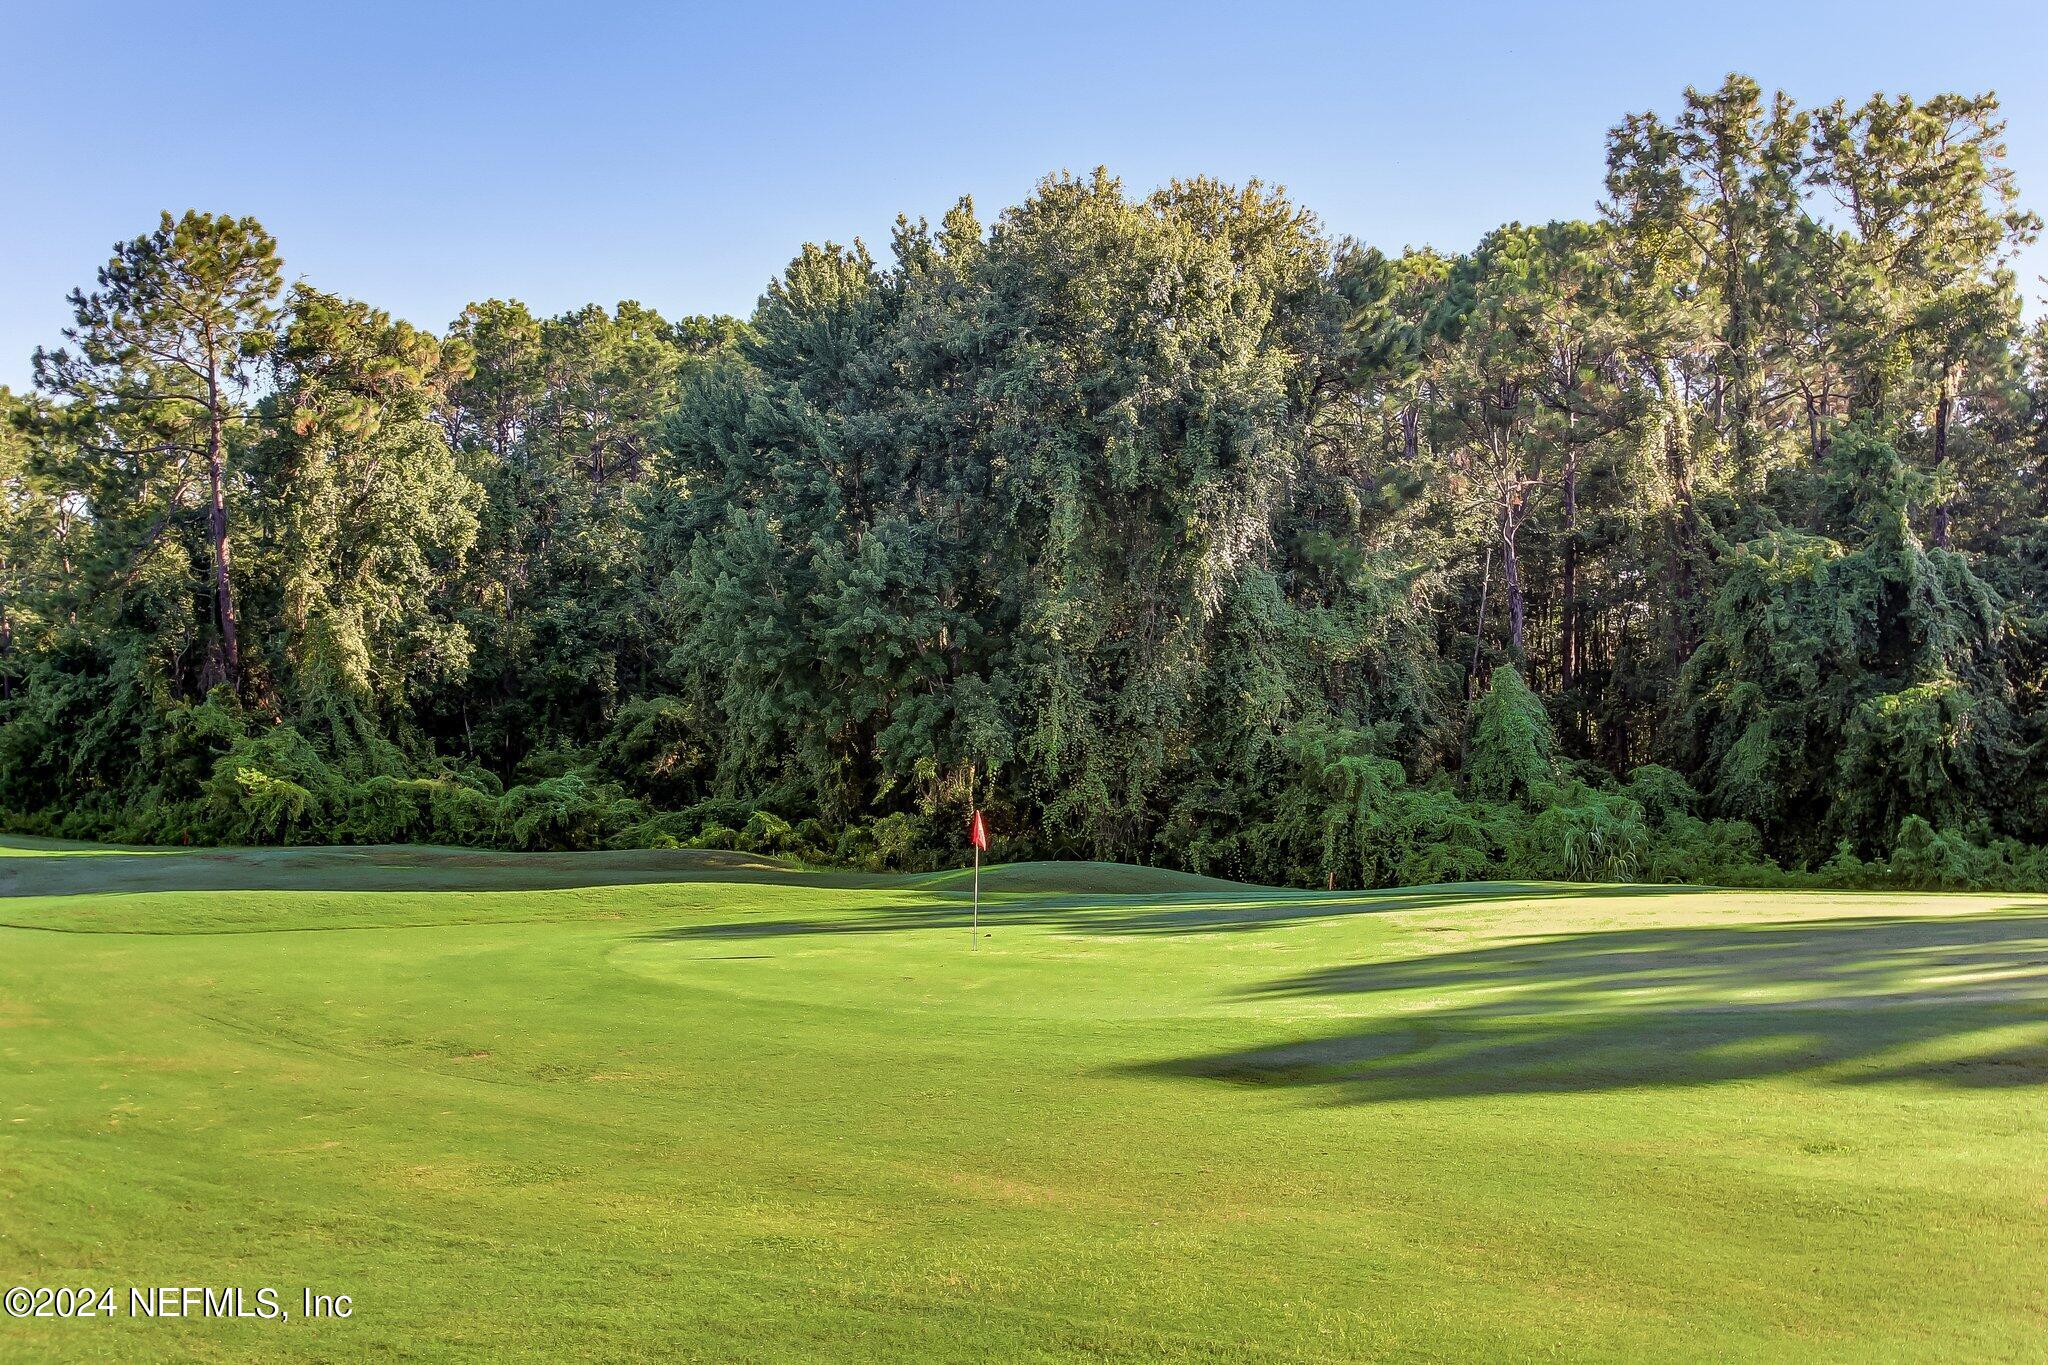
(610,1104)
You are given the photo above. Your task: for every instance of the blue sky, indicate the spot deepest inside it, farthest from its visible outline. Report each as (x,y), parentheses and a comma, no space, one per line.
(421,155)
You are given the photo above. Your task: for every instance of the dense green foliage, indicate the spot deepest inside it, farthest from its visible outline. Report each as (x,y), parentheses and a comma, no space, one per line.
(1701,540)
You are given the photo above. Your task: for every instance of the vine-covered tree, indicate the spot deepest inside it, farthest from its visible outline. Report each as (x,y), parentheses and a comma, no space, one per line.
(369,520)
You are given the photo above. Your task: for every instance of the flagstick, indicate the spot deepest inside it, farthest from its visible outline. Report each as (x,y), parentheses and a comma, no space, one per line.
(977,896)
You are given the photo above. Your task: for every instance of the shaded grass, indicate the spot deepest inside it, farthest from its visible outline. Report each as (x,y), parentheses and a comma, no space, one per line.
(621,1107)
(1960,1000)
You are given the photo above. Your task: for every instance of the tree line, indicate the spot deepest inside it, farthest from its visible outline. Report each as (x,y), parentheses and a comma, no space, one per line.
(1702,538)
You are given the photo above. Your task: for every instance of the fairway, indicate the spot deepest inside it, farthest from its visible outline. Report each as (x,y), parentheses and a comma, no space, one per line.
(609,1105)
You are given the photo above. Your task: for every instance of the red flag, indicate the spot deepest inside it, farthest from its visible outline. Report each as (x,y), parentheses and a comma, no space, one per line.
(977,833)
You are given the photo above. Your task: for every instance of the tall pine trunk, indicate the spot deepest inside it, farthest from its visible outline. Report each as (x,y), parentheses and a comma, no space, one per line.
(1511,579)
(1569,622)
(223,575)
(1479,626)
(1943,509)
(1741,387)
(1684,541)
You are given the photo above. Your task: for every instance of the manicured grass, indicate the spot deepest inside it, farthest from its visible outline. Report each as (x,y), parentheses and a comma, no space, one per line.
(618,1104)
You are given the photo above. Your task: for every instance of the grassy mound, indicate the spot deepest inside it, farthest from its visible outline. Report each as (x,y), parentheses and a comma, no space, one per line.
(1077,878)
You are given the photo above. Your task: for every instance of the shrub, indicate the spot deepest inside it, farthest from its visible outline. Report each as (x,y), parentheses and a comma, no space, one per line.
(565,812)
(1432,835)
(1663,795)
(1577,833)
(458,813)
(1684,848)
(269,788)
(898,840)
(652,751)
(269,810)
(1925,858)
(765,832)
(1508,755)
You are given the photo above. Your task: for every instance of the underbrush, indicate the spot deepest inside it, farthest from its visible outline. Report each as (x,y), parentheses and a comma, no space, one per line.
(1328,810)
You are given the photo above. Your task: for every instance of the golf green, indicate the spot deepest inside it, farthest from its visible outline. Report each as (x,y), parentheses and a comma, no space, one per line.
(616,1105)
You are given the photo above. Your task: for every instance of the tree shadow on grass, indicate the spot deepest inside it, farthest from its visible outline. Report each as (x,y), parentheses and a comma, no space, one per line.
(1078,897)
(1959,1001)
(1109,916)
(396,867)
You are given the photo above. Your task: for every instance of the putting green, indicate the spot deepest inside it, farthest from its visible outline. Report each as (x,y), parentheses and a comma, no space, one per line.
(611,1105)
